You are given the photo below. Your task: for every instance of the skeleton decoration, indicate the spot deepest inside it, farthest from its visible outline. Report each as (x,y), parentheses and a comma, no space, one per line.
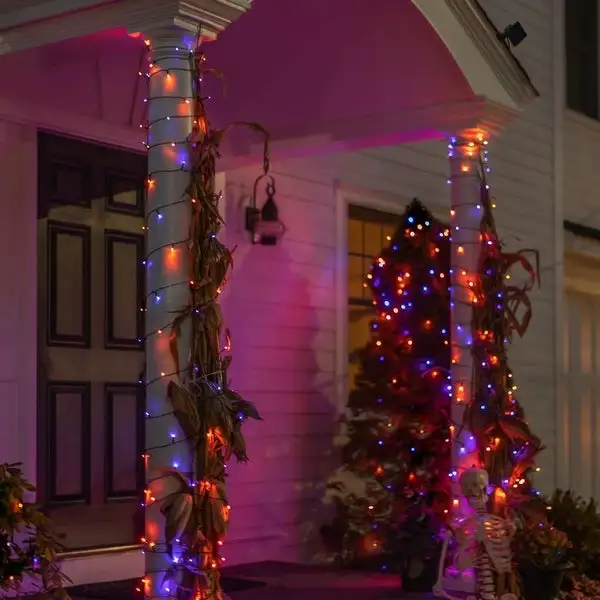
(483,544)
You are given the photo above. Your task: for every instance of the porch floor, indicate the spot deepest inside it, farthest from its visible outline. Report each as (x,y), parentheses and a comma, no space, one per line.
(280,581)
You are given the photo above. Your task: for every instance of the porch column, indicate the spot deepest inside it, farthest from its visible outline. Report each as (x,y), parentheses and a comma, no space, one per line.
(466,149)
(169,122)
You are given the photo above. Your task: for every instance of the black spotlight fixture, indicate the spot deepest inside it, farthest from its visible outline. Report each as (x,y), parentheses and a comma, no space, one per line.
(513,35)
(264,223)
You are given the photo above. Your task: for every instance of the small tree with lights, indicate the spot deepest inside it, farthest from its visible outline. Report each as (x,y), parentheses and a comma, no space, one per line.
(396,450)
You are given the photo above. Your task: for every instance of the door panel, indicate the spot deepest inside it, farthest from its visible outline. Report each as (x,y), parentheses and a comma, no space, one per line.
(69,407)
(68,278)
(91,289)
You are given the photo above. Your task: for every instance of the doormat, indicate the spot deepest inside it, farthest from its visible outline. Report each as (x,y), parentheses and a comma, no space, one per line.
(126,589)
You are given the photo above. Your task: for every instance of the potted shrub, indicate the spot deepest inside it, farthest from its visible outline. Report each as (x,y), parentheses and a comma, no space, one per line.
(417,549)
(580,520)
(28,546)
(581,588)
(540,553)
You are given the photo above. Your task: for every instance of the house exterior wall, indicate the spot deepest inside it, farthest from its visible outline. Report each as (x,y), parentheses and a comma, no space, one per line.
(18,300)
(286,306)
(579,399)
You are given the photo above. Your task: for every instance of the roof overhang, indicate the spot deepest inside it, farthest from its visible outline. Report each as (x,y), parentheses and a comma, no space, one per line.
(319,78)
(480,51)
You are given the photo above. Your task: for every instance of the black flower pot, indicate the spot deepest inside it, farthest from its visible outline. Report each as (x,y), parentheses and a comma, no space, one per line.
(538,583)
(419,575)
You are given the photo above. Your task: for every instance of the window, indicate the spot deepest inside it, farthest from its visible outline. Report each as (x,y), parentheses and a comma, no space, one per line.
(368,231)
(579,399)
(581,45)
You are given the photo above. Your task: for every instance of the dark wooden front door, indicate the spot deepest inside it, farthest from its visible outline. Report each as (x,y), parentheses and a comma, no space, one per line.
(90,290)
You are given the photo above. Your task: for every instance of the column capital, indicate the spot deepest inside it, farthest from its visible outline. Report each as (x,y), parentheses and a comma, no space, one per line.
(204,17)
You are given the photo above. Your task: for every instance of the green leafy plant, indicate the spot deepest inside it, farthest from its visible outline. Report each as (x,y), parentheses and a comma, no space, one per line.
(580,520)
(28,544)
(581,588)
(539,544)
(417,541)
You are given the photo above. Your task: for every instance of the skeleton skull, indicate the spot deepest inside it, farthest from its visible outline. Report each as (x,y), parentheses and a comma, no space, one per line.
(474,486)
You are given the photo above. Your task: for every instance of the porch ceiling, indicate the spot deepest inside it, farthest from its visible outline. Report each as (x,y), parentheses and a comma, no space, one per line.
(319,79)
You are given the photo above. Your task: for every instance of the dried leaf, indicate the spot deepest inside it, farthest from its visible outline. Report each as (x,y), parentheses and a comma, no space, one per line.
(238,445)
(241,407)
(515,429)
(166,484)
(520,258)
(174,339)
(227,346)
(184,409)
(177,515)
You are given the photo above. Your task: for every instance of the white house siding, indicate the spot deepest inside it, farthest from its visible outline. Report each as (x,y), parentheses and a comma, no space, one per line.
(18,277)
(579,397)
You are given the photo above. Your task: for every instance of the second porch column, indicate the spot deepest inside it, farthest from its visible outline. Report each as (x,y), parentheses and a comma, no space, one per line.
(466,153)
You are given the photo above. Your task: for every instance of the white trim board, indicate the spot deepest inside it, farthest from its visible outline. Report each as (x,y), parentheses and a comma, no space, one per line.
(104,566)
(128,562)
(390,203)
(561,396)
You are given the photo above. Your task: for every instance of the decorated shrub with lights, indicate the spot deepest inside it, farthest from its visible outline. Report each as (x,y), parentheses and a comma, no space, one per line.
(580,520)
(28,543)
(581,588)
(540,544)
(541,554)
(396,454)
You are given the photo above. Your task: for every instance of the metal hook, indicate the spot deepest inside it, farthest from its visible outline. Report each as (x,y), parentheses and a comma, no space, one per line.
(270,188)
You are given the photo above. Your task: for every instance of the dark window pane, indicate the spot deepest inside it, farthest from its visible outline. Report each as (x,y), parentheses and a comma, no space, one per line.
(581,46)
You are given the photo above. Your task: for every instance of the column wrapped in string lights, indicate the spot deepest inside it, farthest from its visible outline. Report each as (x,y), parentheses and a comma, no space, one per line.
(193,418)
(169,115)
(467,152)
(493,447)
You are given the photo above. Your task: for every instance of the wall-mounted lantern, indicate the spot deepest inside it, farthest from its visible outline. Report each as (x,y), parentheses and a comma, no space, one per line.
(263,223)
